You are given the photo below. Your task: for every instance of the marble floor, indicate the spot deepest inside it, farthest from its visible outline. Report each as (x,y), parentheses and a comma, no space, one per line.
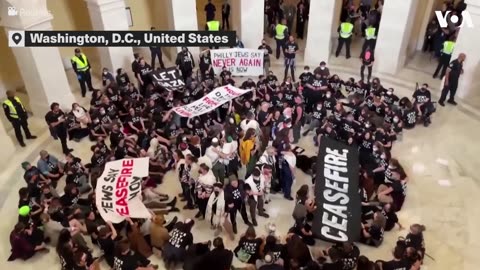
(440,161)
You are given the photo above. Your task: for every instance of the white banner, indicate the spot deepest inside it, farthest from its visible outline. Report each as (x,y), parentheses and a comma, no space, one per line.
(119,190)
(240,62)
(212,100)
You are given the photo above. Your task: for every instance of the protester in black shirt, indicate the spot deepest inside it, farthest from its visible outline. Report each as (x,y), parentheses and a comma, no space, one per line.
(185,63)
(218,258)
(390,98)
(122,79)
(373,235)
(367,61)
(205,64)
(455,69)
(55,119)
(399,262)
(291,48)
(423,103)
(180,239)
(127,259)
(235,200)
(143,75)
(248,248)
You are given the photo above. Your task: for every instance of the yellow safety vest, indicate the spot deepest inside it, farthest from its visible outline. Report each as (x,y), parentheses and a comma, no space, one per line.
(213,25)
(448,47)
(370,33)
(346,30)
(81,66)
(280,31)
(11,107)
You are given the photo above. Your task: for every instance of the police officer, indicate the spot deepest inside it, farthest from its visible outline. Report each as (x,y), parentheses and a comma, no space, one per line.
(156,51)
(213,25)
(281,33)
(81,66)
(454,70)
(345,31)
(370,38)
(445,58)
(17,115)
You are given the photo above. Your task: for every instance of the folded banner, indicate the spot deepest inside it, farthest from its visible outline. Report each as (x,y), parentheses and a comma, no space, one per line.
(119,189)
(338,214)
(168,78)
(240,62)
(212,100)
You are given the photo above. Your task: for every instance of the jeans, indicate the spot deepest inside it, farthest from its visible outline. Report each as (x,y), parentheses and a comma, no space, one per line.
(254,205)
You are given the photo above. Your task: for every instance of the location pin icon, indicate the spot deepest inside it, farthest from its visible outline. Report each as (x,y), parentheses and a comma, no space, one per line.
(17,37)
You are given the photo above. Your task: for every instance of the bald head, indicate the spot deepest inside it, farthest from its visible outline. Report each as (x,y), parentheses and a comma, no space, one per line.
(10,94)
(462,57)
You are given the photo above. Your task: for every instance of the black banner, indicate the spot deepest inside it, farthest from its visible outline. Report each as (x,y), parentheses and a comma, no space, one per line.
(168,78)
(338,214)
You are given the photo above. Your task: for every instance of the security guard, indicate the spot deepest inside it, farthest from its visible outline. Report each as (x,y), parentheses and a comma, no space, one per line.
(370,38)
(445,57)
(345,31)
(281,33)
(16,114)
(81,66)
(213,25)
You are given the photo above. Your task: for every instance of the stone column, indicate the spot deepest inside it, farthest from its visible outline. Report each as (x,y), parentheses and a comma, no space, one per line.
(110,15)
(41,67)
(251,22)
(184,18)
(322,31)
(394,35)
(467,42)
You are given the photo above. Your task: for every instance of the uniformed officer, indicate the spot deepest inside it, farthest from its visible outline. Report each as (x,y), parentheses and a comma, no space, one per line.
(81,66)
(370,38)
(281,33)
(17,115)
(454,70)
(213,25)
(445,58)
(345,31)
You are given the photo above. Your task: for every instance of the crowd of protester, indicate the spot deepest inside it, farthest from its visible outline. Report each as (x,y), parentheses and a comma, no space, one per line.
(227,161)
(256,131)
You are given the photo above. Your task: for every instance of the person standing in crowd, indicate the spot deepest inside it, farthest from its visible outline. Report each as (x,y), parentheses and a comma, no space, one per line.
(432,30)
(367,61)
(267,50)
(235,200)
(345,31)
(301,20)
(155,52)
(225,15)
(185,63)
(81,66)
(55,119)
(143,75)
(291,48)
(289,12)
(281,33)
(323,70)
(204,189)
(370,38)
(445,57)
(297,118)
(455,69)
(255,189)
(210,10)
(17,115)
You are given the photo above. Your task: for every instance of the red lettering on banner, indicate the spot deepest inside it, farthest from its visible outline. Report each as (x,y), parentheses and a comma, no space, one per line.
(121,193)
(224,62)
(123,211)
(210,102)
(127,171)
(246,62)
(127,163)
(122,182)
(183,112)
(230,91)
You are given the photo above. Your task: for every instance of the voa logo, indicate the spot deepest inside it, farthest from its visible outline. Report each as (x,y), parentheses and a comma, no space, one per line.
(444,18)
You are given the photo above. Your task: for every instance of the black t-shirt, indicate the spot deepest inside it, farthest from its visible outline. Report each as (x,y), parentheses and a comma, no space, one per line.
(305,77)
(180,239)
(135,120)
(376,233)
(391,219)
(144,72)
(107,245)
(455,70)
(397,265)
(68,200)
(130,261)
(116,137)
(338,265)
(368,61)
(262,117)
(317,82)
(52,117)
(251,246)
(290,49)
(422,96)
(390,99)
